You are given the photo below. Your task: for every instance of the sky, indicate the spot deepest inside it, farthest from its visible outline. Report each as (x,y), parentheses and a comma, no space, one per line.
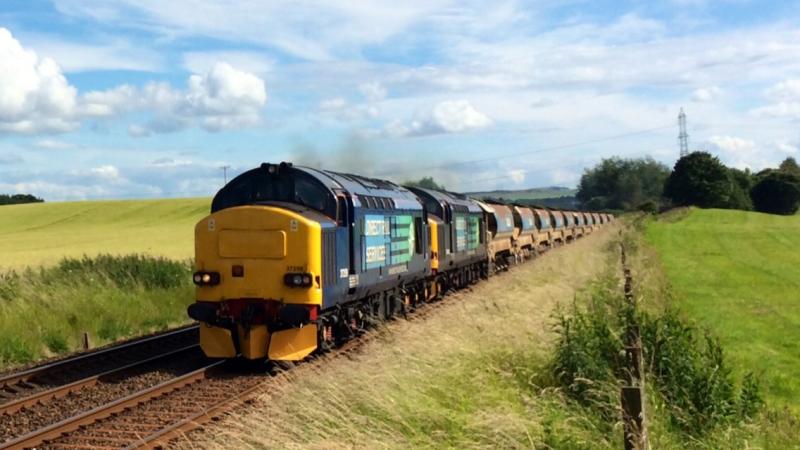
(151,98)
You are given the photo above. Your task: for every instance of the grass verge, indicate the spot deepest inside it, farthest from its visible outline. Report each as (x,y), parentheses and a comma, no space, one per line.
(45,312)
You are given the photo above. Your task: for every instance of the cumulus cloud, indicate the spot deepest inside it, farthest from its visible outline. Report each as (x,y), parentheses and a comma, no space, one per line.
(34,94)
(221,99)
(738,152)
(107,172)
(35,97)
(706,94)
(449,116)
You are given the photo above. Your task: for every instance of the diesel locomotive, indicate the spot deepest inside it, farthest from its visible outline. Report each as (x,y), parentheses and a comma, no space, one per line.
(295,259)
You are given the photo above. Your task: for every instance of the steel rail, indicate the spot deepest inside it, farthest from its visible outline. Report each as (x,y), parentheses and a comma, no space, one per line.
(61,391)
(39,437)
(12,379)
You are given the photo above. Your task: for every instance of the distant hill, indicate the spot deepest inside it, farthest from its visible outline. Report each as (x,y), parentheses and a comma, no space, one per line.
(527,194)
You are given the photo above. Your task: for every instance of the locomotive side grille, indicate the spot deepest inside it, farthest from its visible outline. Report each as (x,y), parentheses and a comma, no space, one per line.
(329,257)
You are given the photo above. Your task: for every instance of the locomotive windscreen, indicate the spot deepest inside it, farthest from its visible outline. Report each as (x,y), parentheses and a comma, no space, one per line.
(285,185)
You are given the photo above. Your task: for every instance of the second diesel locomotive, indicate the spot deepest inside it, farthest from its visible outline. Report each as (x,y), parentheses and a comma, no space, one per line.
(292,259)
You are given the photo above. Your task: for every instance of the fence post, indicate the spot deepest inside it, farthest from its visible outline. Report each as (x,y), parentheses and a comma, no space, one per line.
(86,343)
(632,395)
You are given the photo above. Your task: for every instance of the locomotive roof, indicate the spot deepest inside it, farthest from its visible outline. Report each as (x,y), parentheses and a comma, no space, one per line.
(450,198)
(361,185)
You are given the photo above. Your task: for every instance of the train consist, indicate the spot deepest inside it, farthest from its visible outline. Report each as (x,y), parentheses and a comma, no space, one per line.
(294,259)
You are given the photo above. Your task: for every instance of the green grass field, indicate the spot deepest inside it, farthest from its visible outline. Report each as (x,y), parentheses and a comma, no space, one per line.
(738,274)
(43,233)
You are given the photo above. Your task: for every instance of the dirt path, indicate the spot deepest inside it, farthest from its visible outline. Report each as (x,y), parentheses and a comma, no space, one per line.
(429,382)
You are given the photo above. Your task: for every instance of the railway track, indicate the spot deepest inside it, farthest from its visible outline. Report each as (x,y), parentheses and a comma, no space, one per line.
(19,385)
(81,382)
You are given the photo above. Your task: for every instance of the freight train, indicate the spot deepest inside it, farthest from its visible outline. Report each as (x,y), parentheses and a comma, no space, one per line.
(294,260)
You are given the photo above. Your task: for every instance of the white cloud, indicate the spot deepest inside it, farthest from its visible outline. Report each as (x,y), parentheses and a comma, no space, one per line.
(110,54)
(517,175)
(789,110)
(785,97)
(53,144)
(253,62)
(785,90)
(706,94)
(107,172)
(341,109)
(738,152)
(223,98)
(332,104)
(314,31)
(449,116)
(373,91)
(34,95)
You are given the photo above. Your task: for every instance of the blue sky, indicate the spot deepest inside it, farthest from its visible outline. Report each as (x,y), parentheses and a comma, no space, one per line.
(145,98)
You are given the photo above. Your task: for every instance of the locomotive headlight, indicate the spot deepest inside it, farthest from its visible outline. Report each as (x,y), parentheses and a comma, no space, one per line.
(297,279)
(206,278)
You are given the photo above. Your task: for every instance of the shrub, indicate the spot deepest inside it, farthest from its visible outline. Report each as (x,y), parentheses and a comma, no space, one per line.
(777,192)
(687,369)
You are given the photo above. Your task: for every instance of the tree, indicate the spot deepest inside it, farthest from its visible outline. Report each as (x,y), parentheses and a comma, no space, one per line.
(425,183)
(789,165)
(700,179)
(777,192)
(622,184)
(740,190)
(18,199)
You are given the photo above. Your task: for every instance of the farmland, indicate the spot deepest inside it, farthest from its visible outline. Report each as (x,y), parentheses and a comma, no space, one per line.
(43,233)
(112,269)
(738,274)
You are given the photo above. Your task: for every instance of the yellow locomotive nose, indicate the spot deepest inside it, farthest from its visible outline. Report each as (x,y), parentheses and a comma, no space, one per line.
(258,276)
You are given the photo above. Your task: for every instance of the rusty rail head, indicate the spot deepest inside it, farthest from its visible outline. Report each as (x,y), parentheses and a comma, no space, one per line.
(61,391)
(25,375)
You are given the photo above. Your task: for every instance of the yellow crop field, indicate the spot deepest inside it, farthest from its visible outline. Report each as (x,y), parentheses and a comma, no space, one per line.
(43,233)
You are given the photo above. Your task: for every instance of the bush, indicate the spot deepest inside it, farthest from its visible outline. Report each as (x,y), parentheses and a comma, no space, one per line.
(777,192)
(107,296)
(687,370)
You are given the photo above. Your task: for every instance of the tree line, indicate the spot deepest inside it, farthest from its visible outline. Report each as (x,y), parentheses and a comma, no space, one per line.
(697,179)
(18,199)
